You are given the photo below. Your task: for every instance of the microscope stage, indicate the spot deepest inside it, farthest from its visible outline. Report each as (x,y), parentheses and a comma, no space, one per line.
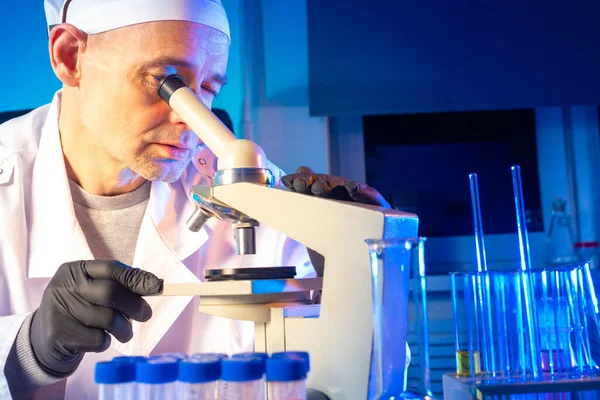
(242,288)
(246,274)
(252,300)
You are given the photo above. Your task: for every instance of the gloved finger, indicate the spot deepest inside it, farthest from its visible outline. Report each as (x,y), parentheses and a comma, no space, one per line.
(83,339)
(112,295)
(138,281)
(303,182)
(338,193)
(301,173)
(364,194)
(102,318)
(288,181)
(321,185)
(121,328)
(304,170)
(326,183)
(300,183)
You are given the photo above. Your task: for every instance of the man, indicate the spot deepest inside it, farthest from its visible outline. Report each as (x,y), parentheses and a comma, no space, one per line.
(98,180)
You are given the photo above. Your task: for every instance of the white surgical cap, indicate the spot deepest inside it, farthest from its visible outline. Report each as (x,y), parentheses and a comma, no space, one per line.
(95,16)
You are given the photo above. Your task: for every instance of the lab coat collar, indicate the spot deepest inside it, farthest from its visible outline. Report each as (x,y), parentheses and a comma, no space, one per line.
(55,236)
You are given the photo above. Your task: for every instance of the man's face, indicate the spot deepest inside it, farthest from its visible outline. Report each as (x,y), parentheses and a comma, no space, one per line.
(120,108)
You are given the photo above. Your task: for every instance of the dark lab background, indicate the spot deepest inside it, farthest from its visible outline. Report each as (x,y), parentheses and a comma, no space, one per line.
(424,168)
(450,88)
(391,57)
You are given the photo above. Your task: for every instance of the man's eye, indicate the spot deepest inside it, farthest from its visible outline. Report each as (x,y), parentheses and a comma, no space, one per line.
(151,81)
(210,90)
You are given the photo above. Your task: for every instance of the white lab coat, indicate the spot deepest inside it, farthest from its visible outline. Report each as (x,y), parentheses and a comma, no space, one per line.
(39,232)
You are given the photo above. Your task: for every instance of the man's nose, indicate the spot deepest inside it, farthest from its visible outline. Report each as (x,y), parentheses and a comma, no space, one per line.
(176,120)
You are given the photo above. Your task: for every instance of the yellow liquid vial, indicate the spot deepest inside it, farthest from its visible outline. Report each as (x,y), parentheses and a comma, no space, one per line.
(463,363)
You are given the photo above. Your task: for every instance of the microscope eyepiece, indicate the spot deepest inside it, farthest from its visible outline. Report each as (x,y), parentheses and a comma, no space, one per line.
(169,85)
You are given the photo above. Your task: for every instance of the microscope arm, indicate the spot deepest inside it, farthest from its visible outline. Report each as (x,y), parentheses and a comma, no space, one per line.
(338,231)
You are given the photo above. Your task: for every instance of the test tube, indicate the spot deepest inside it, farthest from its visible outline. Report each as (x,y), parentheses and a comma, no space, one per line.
(528,295)
(129,359)
(582,315)
(287,378)
(220,356)
(590,312)
(262,356)
(556,326)
(115,380)
(467,323)
(509,321)
(302,355)
(199,378)
(243,378)
(156,379)
(487,336)
(178,356)
(255,354)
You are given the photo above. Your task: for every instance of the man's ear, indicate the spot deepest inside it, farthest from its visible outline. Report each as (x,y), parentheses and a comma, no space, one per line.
(66,44)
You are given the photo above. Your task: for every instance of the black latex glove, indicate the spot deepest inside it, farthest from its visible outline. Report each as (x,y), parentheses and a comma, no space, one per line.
(306,181)
(82,304)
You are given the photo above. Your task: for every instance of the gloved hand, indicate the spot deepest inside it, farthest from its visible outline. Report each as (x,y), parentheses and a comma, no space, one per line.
(306,181)
(82,304)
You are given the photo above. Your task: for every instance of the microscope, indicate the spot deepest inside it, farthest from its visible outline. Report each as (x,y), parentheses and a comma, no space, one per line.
(338,332)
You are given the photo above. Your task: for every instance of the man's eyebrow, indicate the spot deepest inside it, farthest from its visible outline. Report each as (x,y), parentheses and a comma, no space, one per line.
(176,62)
(166,62)
(221,79)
